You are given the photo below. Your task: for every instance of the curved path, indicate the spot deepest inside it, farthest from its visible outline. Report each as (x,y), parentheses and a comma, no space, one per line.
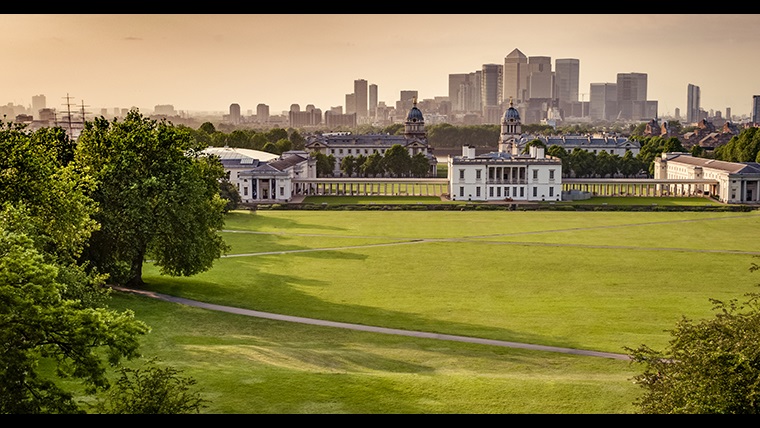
(383,330)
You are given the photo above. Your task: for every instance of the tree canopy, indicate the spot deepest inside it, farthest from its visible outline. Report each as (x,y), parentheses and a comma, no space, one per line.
(158,195)
(710,366)
(52,309)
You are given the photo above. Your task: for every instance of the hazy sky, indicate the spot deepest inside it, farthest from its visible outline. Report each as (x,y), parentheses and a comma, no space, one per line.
(205,62)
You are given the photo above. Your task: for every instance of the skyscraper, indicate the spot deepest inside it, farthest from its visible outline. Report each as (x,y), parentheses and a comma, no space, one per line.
(361,98)
(515,78)
(262,113)
(464,92)
(603,101)
(491,86)
(692,103)
(567,78)
(632,95)
(756,109)
(235,113)
(540,81)
(38,103)
(373,101)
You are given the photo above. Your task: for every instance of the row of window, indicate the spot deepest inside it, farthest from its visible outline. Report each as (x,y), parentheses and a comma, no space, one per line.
(478,174)
(366,151)
(506,192)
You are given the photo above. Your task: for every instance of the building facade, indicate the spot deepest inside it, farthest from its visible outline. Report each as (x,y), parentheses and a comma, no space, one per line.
(567,82)
(731,182)
(692,103)
(506,174)
(343,144)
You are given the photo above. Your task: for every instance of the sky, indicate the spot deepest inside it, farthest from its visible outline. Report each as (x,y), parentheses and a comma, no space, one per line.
(205,62)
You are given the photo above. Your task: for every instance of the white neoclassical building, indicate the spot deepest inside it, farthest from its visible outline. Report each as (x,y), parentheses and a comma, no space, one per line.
(506,174)
(729,182)
(262,176)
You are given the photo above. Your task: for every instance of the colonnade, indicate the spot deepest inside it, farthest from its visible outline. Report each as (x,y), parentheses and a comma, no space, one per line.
(641,187)
(371,187)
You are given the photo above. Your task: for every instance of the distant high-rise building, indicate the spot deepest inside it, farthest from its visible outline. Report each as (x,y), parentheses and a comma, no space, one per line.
(372,101)
(361,98)
(235,113)
(464,92)
(692,103)
(756,109)
(540,80)
(603,101)
(491,86)
(567,81)
(38,103)
(515,77)
(350,103)
(728,113)
(406,101)
(295,107)
(632,95)
(164,109)
(677,113)
(262,113)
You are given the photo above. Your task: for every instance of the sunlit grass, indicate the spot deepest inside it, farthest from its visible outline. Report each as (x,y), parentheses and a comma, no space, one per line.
(585,280)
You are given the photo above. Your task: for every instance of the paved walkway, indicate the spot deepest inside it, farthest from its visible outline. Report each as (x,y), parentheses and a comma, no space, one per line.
(383,330)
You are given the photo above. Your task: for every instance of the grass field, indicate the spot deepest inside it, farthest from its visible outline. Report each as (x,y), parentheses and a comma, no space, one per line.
(584,280)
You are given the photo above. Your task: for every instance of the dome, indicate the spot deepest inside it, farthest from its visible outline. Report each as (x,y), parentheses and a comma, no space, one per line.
(415,115)
(511,113)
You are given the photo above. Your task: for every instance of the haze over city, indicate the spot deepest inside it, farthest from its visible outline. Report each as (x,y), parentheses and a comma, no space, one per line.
(205,62)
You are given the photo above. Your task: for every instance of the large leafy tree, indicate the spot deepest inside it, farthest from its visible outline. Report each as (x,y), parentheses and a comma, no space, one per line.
(158,195)
(397,160)
(710,366)
(37,323)
(54,322)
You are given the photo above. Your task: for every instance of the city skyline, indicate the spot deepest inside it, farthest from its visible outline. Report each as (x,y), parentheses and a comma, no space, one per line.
(206,62)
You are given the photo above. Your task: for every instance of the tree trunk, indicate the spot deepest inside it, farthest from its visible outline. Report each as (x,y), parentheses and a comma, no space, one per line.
(135,271)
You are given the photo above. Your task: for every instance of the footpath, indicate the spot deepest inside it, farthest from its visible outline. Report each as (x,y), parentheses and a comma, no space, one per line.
(373,329)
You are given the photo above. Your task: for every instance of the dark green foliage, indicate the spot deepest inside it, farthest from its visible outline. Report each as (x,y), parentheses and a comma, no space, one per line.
(229,193)
(37,322)
(151,390)
(397,160)
(651,147)
(158,196)
(744,147)
(710,366)
(325,164)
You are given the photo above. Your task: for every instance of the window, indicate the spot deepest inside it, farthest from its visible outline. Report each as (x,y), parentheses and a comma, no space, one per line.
(535,174)
(535,191)
(461,191)
(522,192)
(498,192)
(461,175)
(477,191)
(490,192)
(551,191)
(477,174)
(349,151)
(506,192)
(282,191)
(245,191)
(551,174)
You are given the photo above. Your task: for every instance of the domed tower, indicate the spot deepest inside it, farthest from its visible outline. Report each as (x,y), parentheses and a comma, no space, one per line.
(510,130)
(414,127)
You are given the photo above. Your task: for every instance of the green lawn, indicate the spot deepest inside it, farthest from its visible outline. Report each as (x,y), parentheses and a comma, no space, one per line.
(585,280)
(646,200)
